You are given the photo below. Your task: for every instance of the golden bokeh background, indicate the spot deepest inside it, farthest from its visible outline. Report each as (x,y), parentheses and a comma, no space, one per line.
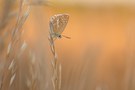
(97,57)
(100,53)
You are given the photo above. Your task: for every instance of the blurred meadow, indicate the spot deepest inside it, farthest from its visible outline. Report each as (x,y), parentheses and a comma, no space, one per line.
(99,56)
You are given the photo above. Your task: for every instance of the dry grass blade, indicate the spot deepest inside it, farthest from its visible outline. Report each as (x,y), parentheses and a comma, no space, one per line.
(57,26)
(20,21)
(11,68)
(56,80)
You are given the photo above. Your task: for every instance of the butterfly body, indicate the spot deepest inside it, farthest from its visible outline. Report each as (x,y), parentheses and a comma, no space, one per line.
(57,24)
(55,35)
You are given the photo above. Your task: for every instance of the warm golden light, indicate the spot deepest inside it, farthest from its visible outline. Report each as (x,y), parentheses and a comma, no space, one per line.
(98,56)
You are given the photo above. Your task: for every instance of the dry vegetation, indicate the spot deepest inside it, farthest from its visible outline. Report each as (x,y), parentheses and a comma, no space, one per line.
(12,76)
(100,55)
(18,68)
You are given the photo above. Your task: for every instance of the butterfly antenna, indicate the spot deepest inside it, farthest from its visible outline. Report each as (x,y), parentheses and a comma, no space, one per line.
(66,37)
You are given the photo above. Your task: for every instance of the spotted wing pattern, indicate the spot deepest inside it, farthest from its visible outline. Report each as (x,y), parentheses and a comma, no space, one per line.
(58,23)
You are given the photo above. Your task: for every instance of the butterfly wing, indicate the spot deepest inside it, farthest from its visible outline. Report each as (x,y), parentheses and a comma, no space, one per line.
(51,27)
(58,23)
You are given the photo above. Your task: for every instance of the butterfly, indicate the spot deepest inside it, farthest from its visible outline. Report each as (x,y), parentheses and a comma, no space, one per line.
(57,24)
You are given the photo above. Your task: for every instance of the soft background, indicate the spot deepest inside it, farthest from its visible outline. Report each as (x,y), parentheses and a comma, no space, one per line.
(100,53)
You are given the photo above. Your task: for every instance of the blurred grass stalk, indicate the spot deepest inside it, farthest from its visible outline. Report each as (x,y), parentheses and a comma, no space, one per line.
(56,67)
(10,77)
